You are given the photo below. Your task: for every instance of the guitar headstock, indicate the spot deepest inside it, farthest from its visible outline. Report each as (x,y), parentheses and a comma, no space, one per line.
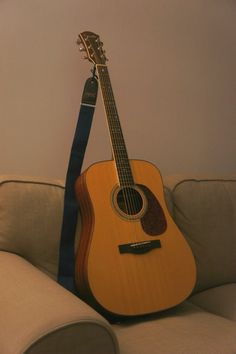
(91,44)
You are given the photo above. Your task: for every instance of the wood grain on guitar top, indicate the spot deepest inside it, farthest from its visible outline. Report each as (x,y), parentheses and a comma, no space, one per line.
(129,283)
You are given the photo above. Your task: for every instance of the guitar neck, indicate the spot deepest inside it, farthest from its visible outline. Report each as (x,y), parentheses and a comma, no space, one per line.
(117,140)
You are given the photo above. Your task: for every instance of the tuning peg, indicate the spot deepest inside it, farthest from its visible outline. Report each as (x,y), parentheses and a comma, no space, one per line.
(81,49)
(79,41)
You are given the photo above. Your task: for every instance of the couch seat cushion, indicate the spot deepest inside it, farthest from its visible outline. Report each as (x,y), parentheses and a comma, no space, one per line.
(220,300)
(186,329)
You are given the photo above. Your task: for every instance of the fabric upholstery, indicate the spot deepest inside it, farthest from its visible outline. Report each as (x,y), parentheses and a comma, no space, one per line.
(30,220)
(205,211)
(40,316)
(186,329)
(220,300)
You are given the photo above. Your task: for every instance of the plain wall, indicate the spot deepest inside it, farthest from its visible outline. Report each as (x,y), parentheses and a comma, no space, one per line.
(172,67)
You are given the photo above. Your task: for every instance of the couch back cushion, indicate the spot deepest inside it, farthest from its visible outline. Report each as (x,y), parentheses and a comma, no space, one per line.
(205,211)
(30,220)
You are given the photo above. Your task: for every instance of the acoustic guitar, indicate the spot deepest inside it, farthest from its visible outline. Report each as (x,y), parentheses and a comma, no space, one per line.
(131,258)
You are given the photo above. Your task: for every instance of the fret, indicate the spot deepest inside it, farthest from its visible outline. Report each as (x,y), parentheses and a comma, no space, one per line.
(117,140)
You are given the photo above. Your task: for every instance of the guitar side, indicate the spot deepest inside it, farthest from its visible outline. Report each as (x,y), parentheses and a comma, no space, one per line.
(129,283)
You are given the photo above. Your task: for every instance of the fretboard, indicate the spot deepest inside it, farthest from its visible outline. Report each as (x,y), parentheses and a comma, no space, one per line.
(117,140)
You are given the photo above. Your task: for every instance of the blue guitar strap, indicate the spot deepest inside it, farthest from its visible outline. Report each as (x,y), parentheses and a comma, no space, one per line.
(66,268)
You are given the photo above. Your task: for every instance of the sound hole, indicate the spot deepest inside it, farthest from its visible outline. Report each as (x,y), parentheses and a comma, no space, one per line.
(129,201)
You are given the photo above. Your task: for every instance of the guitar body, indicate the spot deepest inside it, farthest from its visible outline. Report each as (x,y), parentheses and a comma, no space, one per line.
(130,263)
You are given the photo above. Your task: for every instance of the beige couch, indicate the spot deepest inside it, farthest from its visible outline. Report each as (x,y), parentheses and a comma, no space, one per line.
(39,316)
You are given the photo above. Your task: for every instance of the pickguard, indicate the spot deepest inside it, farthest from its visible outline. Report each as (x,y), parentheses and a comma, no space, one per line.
(153,221)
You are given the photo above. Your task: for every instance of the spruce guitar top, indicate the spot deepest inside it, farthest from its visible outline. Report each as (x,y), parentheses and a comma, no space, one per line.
(131,258)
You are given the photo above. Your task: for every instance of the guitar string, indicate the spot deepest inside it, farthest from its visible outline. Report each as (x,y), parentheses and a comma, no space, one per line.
(120,159)
(121,156)
(131,203)
(113,132)
(131,194)
(110,114)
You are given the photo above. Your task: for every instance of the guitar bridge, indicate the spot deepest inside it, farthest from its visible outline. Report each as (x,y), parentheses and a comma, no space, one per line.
(139,247)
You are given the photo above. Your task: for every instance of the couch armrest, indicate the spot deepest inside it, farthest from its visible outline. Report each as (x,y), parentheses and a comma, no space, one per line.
(39,316)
